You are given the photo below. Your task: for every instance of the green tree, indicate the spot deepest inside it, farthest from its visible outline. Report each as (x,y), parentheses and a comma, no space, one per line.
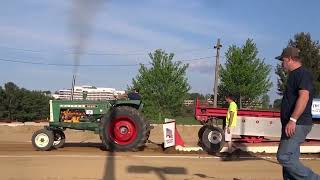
(41,104)
(34,105)
(21,104)
(244,75)
(265,100)
(277,104)
(2,107)
(194,96)
(310,55)
(163,86)
(11,100)
(282,79)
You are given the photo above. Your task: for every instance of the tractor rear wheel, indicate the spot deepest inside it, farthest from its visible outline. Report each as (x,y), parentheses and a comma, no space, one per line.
(124,129)
(212,140)
(42,140)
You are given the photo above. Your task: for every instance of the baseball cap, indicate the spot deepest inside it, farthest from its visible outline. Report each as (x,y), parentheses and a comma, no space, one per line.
(289,52)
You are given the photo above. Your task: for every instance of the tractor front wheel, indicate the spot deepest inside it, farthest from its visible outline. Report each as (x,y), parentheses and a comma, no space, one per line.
(42,140)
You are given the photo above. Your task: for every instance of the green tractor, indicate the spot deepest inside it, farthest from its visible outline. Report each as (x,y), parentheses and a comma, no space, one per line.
(119,123)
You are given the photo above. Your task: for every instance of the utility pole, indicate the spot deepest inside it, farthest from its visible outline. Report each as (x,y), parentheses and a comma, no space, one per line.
(72,86)
(216,77)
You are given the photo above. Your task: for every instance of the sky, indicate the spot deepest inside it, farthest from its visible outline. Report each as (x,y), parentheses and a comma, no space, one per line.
(41,40)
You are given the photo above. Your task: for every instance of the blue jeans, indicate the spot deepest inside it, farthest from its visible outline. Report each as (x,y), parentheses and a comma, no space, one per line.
(289,152)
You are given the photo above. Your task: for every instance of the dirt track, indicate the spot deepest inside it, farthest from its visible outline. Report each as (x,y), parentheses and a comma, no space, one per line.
(88,160)
(24,133)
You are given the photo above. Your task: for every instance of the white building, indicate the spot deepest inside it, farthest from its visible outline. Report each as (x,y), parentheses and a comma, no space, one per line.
(88,93)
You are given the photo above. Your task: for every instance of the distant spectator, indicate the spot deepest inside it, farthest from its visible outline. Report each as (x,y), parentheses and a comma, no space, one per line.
(134,95)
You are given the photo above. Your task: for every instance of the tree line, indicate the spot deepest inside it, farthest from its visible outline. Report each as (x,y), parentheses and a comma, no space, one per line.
(20,104)
(310,55)
(164,85)
(245,75)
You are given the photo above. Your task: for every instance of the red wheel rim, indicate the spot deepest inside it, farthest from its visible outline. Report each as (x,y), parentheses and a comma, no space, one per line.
(122,130)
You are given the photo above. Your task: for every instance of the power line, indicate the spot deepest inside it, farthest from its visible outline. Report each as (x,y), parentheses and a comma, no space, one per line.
(91,65)
(60,64)
(197,59)
(98,53)
(19,49)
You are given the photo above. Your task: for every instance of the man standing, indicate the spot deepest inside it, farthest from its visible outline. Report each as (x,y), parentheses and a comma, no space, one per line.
(231,120)
(296,118)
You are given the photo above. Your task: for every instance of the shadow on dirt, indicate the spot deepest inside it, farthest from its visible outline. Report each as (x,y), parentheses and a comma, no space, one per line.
(159,171)
(239,154)
(85,144)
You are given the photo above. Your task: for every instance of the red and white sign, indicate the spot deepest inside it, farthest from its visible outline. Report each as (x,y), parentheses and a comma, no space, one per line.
(316,108)
(169,132)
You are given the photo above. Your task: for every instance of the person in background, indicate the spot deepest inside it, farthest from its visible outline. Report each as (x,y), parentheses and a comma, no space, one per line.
(231,120)
(296,117)
(134,95)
